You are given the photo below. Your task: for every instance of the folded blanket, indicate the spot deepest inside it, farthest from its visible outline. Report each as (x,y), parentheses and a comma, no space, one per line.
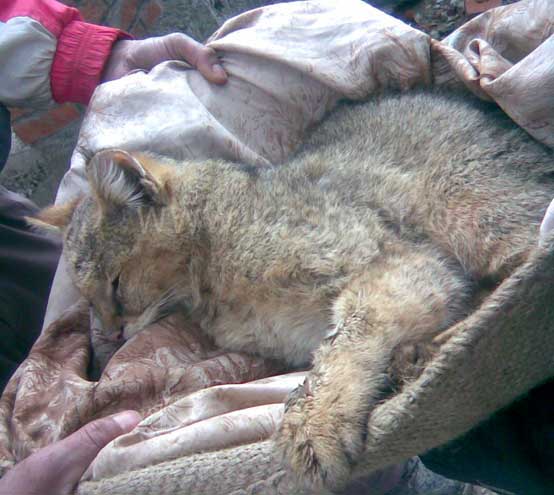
(288,65)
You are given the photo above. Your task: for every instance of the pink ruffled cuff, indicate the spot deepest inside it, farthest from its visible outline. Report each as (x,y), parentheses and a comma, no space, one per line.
(81,54)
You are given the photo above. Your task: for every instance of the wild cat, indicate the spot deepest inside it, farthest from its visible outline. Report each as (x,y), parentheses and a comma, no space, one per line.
(374,236)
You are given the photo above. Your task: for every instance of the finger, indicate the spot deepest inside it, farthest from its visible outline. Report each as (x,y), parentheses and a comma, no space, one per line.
(199,56)
(57,468)
(86,442)
(82,446)
(210,67)
(146,54)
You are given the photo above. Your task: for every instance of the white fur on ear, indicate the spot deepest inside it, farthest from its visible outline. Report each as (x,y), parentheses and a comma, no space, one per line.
(118,178)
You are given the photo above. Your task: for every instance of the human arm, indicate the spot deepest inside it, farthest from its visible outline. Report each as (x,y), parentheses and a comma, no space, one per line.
(50,54)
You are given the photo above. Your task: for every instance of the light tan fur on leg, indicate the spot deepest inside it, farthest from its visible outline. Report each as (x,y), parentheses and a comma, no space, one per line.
(407,298)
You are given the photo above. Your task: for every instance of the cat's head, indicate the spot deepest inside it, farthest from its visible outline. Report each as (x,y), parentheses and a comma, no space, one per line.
(125,242)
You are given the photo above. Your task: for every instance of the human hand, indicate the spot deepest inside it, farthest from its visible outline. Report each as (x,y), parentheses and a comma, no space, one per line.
(56,469)
(129,55)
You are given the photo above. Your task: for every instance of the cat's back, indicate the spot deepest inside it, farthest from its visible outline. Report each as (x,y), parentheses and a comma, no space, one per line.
(431,166)
(418,130)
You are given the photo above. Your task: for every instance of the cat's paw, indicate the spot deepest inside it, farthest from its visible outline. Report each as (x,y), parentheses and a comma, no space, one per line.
(409,360)
(317,440)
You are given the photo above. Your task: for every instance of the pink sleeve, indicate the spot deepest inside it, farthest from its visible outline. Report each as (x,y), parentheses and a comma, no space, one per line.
(81,54)
(82,49)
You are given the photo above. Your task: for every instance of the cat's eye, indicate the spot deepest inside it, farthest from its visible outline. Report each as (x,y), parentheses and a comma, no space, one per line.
(115,284)
(116,296)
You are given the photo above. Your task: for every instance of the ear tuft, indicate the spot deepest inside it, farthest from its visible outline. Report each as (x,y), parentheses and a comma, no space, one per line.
(54,218)
(119,179)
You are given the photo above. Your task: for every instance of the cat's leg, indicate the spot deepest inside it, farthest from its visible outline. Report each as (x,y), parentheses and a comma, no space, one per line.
(405,299)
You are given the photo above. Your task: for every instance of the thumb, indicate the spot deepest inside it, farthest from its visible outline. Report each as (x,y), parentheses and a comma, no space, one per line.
(56,469)
(82,446)
(86,442)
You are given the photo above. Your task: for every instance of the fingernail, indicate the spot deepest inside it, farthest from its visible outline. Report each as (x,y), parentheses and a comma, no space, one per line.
(219,71)
(127,420)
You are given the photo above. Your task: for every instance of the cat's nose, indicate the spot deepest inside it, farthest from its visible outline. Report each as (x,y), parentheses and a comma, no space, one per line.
(112,331)
(115,337)
(116,334)
(118,329)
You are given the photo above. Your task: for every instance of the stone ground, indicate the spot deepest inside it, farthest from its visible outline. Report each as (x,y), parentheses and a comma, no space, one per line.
(43,140)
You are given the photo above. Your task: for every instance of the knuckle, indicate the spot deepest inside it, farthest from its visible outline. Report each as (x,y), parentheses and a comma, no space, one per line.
(180,38)
(97,433)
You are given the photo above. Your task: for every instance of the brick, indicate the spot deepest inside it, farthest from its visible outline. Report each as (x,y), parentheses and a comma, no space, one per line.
(18,113)
(47,123)
(128,12)
(151,13)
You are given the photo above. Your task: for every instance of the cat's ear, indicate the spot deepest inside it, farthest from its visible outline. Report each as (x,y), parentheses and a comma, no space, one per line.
(54,218)
(117,178)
